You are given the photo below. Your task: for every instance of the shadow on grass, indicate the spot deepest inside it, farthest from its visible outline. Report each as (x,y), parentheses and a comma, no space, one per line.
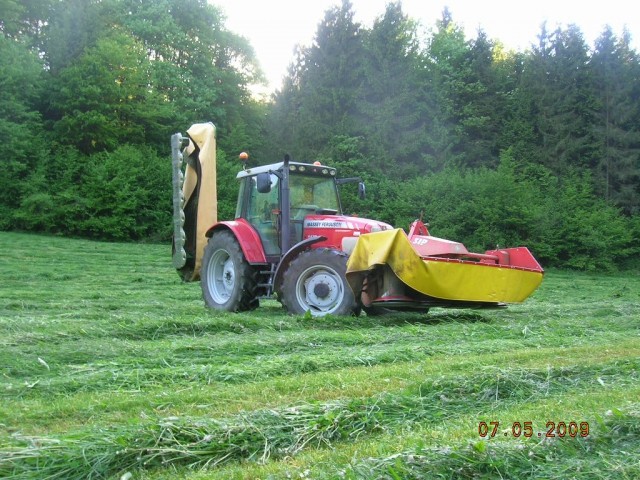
(395,319)
(271,316)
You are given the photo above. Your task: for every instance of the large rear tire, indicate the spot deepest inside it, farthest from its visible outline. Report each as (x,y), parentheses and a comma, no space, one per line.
(315,282)
(228,281)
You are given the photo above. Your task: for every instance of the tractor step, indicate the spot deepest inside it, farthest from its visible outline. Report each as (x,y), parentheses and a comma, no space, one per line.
(266,282)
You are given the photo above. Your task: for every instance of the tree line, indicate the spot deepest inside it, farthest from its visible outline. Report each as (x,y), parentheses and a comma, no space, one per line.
(491,146)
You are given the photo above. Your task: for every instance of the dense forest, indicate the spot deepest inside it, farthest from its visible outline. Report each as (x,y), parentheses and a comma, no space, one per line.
(492,146)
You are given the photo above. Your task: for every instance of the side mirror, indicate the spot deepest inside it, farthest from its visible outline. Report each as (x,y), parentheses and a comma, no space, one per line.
(362,190)
(263,182)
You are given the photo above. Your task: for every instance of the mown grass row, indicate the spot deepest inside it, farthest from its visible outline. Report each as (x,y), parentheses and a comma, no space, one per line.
(110,406)
(109,364)
(89,364)
(565,457)
(275,433)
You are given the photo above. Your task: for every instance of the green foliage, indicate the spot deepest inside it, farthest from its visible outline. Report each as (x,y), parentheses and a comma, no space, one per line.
(123,191)
(72,26)
(88,126)
(104,99)
(495,147)
(118,195)
(582,231)
(201,68)
(322,93)
(616,70)
(482,208)
(227,187)
(22,146)
(559,220)
(11,13)
(387,95)
(22,21)
(52,199)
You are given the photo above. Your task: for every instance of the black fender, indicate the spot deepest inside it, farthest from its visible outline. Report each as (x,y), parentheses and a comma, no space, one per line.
(290,255)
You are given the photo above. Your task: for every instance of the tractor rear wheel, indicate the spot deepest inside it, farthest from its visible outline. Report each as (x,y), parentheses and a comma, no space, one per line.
(228,281)
(315,282)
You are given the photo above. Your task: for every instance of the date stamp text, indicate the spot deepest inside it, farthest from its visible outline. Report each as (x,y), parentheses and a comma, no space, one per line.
(525,429)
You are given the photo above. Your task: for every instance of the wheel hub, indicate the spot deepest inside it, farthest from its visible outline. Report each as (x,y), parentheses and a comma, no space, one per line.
(322,291)
(228,275)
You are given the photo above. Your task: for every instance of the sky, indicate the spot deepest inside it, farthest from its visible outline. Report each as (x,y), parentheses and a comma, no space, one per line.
(275,27)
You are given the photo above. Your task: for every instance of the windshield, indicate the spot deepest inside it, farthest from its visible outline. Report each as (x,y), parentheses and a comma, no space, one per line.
(313,193)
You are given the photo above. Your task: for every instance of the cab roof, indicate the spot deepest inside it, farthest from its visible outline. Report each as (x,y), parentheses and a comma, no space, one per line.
(294,167)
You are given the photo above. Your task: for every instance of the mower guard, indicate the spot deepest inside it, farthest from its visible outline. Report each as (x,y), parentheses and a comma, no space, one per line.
(438,272)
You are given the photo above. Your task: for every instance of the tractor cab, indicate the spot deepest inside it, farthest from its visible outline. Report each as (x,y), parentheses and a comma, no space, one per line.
(312,190)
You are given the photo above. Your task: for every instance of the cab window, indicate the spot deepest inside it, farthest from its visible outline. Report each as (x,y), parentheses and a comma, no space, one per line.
(262,213)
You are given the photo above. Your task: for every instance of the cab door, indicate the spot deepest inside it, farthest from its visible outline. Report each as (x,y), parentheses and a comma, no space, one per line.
(262,212)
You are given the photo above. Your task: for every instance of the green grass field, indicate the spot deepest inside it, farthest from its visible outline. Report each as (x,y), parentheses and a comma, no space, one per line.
(110,367)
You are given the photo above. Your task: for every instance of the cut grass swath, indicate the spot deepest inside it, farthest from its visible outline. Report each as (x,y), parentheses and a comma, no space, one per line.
(110,365)
(617,435)
(275,433)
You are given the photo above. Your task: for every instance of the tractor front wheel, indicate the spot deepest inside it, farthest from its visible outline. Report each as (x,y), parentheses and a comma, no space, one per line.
(228,281)
(315,282)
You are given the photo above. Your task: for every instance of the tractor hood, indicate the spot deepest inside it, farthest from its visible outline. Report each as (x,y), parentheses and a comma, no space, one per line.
(356,225)
(341,232)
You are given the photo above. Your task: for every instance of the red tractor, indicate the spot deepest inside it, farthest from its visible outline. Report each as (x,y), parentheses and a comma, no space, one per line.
(289,237)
